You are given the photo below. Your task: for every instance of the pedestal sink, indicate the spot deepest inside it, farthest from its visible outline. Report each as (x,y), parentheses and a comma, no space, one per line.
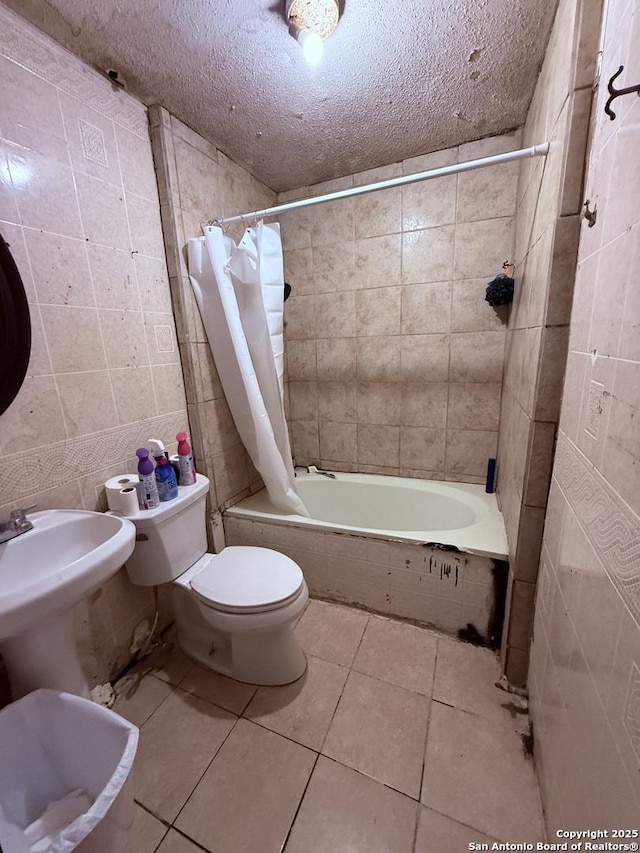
(44,573)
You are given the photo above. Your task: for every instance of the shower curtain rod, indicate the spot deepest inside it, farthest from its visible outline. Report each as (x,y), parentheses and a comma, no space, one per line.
(520,154)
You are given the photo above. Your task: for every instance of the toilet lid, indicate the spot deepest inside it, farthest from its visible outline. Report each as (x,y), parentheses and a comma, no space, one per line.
(242,578)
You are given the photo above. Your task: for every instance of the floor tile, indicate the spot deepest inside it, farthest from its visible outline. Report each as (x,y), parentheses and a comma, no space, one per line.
(137,697)
(176,843)
(249,795)
(380,729)
(331,632)
(440,834)
(465,678)
(176,745)
(213,687)
(147,831)
(302,710)
(343,810)
(476,772)
(398,653)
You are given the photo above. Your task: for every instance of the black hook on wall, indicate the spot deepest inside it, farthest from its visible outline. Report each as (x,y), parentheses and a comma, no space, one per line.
(616,93)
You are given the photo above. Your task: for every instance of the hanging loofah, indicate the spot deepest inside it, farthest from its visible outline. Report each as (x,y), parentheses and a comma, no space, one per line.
(500,290)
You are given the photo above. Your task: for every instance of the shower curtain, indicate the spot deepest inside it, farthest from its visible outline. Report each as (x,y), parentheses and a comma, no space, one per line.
(240,293)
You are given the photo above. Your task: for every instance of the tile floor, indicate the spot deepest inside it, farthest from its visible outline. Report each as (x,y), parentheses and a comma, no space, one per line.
(394,741)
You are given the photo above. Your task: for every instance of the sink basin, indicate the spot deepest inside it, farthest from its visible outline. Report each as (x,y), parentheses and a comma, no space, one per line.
(44,573)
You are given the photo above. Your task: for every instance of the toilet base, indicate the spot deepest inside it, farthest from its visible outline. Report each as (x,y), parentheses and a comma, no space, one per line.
(265,656)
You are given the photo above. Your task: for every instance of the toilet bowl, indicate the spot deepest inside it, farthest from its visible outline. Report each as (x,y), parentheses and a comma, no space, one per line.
(235,611)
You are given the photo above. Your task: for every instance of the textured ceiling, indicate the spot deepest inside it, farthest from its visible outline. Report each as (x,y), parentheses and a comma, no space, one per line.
(397,78)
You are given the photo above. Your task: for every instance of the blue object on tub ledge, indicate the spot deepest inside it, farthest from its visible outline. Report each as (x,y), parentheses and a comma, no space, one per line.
(491,476)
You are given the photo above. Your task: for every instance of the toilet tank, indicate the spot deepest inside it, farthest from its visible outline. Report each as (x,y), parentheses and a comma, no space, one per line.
(171,537)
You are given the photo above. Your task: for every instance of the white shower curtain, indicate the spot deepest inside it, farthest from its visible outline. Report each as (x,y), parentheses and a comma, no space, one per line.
(240,293)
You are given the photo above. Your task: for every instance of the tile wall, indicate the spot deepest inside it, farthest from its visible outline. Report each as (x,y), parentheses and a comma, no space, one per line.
(585,665)
(198,183)
(79,208)
(394,359)
(549,201)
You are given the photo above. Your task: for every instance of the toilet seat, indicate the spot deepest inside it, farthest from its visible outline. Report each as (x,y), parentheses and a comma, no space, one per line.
(247,579)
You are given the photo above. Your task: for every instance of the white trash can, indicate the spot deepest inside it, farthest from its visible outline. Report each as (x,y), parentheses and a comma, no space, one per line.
(53,743)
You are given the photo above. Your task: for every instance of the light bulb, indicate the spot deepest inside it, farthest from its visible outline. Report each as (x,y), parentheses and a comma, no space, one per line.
(312,46)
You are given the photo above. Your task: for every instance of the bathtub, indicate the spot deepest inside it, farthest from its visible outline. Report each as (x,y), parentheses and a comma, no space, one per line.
(425,550)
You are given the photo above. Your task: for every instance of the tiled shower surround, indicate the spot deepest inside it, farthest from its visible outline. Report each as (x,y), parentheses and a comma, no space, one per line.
(394,358)
(448,590)
(550,198)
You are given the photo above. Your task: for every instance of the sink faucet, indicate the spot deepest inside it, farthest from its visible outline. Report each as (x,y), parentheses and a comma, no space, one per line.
(313,469)
(18,523)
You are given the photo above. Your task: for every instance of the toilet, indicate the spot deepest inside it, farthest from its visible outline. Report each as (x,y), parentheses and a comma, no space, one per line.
(235,611)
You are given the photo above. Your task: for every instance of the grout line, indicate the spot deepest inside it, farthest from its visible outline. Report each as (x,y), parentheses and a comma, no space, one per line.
(286,840)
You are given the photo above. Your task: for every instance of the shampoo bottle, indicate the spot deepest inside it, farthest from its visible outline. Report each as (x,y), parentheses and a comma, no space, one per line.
(150,497)
(185,461)
(166,480)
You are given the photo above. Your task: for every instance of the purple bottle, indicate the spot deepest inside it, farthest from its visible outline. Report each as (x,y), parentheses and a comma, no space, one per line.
(150,496)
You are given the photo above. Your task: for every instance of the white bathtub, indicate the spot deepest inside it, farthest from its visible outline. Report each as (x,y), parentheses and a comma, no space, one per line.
(460,516)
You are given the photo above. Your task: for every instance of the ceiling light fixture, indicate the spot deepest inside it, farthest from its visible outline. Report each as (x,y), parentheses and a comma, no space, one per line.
(311,21)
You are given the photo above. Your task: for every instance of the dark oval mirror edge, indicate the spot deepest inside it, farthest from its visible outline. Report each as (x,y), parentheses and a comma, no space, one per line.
(15,328)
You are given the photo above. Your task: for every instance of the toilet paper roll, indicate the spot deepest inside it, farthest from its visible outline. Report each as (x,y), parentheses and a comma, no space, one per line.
(128,500)
(115,485)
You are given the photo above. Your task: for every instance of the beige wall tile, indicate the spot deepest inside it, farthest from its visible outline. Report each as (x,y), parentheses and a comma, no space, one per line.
(306,443)
(469,450)
(477,356)
(429,204)
(474,405)
(301,360)
(336,358)
(304,400)
(87,401)
(133,394)
(378,445)
(333,268)
(487,193)
(422,448)
(538,475)
(74,338)
(426,308)
(298,270)
(103,212)
(60,268)
(379,402)
(338,441)
(482,247)
(378,261)
(337,401)
(331,221)
(378,311)
(377,212)
(124,344)
(424,404)
(427,255)
(425,358)
(48,201)
(34,418)
(299,317)
(335,315)
(551,373)
(378,358)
